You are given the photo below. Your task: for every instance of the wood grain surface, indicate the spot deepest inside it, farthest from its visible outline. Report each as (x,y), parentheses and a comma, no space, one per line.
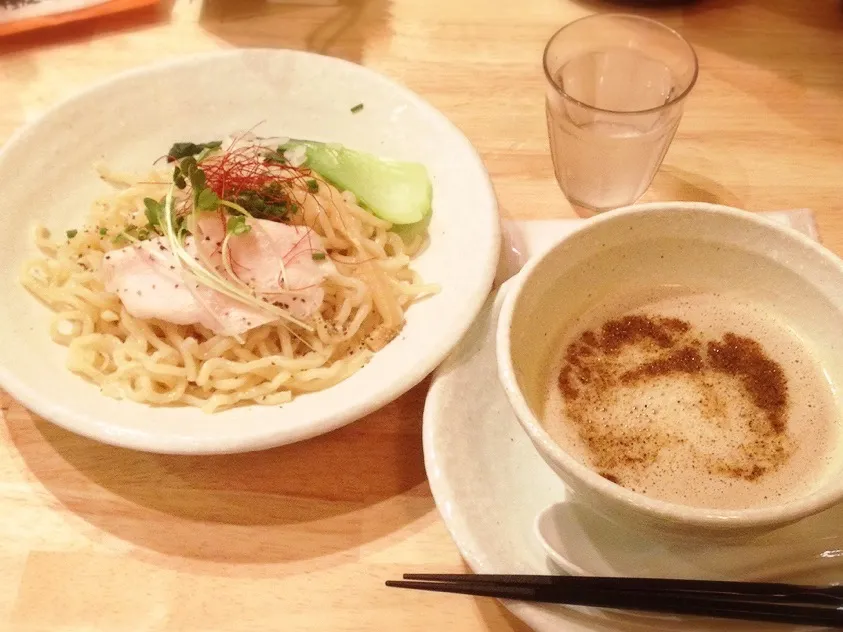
(301,538)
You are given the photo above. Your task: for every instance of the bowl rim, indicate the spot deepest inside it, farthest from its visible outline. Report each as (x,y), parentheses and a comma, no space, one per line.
(674,513)
(98,429)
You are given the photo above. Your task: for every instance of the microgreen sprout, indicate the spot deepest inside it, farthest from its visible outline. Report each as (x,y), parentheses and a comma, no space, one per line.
(237,225)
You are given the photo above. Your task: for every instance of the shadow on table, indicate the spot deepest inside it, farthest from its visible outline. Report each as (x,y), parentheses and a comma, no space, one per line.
(340,28)
(674,183)
(316,498)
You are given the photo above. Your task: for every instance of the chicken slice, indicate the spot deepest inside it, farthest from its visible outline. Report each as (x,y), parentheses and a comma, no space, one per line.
(273,258)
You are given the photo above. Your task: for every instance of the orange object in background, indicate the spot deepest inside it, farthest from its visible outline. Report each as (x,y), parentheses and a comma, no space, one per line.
(20,16)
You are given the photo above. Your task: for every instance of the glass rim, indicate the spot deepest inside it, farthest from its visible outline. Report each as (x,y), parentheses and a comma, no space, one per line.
(629,16)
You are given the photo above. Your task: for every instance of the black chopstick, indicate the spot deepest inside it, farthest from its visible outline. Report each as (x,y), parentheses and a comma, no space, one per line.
(753,601)
(822,594)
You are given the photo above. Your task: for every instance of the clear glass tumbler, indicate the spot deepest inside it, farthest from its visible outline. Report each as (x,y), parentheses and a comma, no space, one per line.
(617,89)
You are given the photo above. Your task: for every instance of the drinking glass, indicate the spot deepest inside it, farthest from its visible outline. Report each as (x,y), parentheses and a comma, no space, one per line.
(617,89)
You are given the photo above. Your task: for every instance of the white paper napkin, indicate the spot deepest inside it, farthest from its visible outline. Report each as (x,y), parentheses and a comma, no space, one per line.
(523,238)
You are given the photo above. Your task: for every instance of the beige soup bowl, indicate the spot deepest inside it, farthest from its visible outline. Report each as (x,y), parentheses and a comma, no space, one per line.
(695,245)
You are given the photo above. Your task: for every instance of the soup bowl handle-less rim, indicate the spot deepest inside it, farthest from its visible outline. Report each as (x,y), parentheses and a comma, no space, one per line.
(613,501)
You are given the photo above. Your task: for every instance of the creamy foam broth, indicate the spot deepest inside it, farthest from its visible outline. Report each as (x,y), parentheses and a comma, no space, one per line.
(682,411)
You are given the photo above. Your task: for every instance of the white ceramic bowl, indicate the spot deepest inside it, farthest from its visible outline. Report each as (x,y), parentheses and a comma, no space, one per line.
(46,175)
(720,248)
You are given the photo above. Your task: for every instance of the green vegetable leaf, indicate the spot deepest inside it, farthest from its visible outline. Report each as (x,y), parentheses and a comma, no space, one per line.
(103,231)
(72,233)
(357,108)
(183,150)
(312,186)
(318,256)
(197,178)
(204,199)
(207,200)
(153,211)
(237,225)
(399,192)
(189,168)
(178,178)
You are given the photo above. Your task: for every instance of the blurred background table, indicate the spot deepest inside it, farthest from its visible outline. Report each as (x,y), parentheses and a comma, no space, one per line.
(301,538)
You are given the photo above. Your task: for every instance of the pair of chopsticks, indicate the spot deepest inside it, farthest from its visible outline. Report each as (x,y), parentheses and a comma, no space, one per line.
(749,601)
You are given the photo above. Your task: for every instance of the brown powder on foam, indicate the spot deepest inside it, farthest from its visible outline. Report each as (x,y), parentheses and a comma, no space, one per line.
(684,360)
(636,328)
(595,367)
(762,378)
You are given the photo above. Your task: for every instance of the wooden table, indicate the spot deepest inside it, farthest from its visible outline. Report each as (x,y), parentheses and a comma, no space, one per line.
(301,538)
